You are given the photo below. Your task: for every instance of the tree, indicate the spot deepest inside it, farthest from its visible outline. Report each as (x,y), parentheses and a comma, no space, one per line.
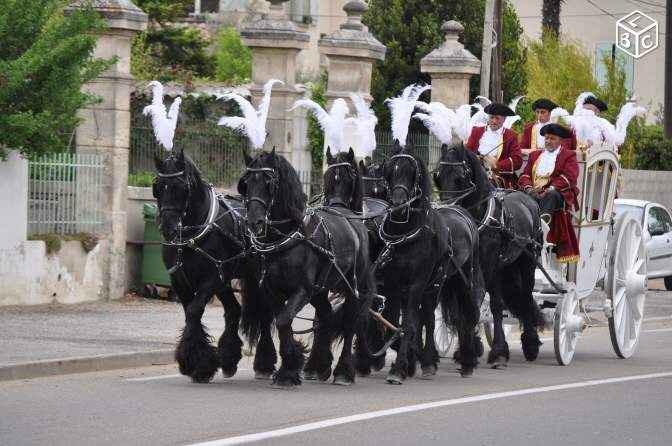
(46,56)
(167,52)
(412,28)
(550,17)
(234,60)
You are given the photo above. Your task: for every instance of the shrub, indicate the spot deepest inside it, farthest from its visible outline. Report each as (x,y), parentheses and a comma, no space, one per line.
(233,59)
(141,179)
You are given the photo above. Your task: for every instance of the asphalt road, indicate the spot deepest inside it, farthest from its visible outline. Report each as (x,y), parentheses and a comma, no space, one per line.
(597,400)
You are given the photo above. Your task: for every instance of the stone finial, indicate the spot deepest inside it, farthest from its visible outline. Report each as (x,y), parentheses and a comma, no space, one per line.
(120,14)
(451,55)
(354,9)
(274,29)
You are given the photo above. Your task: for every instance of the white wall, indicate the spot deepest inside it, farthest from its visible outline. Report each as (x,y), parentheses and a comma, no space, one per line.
(647,185)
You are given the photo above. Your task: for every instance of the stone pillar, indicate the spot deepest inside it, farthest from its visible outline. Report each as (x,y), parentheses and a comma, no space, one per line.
(450,67)
(105,129)
(275,42)
(351,52)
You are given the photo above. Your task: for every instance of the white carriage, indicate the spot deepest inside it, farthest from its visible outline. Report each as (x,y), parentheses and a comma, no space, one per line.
(612,255)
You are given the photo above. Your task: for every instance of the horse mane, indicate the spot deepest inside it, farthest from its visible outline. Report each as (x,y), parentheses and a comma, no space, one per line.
(425,183)
(480,177)
(290,199)
(357,200)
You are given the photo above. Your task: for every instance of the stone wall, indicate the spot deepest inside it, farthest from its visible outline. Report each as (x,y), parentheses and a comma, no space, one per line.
(648,185)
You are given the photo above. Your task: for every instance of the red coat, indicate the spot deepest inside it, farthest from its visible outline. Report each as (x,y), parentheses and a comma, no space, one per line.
(526,139)
(510,159)
(563,179)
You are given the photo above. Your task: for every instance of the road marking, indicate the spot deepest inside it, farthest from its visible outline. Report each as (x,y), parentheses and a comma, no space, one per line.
(250,438)
(660,318)
(658,330)
(156,378)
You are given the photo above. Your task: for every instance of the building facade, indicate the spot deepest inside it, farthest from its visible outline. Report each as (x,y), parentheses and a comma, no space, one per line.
(593,24)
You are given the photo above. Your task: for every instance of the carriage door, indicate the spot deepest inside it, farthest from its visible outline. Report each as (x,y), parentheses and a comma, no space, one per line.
(659,227)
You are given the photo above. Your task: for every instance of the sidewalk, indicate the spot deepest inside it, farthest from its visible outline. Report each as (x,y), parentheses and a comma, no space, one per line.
(53,339)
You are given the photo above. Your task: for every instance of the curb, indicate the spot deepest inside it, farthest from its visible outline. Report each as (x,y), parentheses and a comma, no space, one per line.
(68,366)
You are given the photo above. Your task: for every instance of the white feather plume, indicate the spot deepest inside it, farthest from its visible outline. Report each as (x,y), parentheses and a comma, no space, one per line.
(439,127)
(365,122)
(480,118)
(483,101)
(402,110)
(581,99)
(253,122)
(559,113)
(164,122)
(463,122)
(332,123)
(584,123)
(628,111)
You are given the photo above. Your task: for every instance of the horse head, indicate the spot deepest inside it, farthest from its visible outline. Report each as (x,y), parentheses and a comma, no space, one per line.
(272,191)
(407,181)
(179,192)
(459,176)
(373,183)
(342,181)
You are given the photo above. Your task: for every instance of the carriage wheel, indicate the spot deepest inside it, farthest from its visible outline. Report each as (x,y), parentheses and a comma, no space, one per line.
(626,286)
(444,338)
(567,326)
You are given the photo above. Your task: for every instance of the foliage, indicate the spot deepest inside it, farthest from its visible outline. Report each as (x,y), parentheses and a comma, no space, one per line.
(412,28)
(54,242)
(613,92)
(315,134)
(46,56)
(141,179)
(646,147)
(233,59)
(166,52)
(558,69)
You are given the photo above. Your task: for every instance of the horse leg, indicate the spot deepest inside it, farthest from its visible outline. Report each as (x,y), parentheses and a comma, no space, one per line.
(194,354)
(230,344)
(291,351)
(344,373)
(409,324)
(531,315)
(499,352)
(265,356)
(319,361)
(464,313)
(429,357)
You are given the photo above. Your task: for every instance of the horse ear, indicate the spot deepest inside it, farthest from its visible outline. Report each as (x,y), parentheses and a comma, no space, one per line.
(396,148)
(444,149)
(362,167)
(273,152)
(247,157)
(180,155)
(351,156)
(158,162)
(330,157)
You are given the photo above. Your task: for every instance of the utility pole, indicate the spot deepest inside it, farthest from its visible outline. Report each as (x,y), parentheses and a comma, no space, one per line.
(667,110)
(497,93)
(486,52)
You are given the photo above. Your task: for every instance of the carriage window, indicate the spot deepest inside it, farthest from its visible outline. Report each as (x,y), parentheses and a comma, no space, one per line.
(598,188)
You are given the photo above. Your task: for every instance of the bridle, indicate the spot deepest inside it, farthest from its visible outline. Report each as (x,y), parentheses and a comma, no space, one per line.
(377,182)
(455,196)
(352,175)
(182,177)
(413,195)
(273,182)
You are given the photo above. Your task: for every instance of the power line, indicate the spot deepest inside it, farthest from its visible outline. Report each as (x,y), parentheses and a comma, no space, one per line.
(600,8)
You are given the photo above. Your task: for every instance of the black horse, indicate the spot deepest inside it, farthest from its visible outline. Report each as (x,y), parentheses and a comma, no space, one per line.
(509,236)
(429,253)
(373,183)
(304,255)
(203,251)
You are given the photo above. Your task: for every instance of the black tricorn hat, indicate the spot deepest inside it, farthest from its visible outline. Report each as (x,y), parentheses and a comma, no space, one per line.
(555,129)
(544,104)
(601,105)
(495,108)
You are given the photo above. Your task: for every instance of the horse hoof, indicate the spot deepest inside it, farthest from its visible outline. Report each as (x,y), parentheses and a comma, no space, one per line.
(342,381)
(499,365)
(467,372)
(266,376)
(428,372)
(283,385)
(394,380)
(201,379)
(228,373)
(323,376)
(363,373)
(310,375)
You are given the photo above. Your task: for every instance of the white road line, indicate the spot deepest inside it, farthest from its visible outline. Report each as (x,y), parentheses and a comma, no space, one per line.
(660,318)
(156,378)
(657,330)
(249,438)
